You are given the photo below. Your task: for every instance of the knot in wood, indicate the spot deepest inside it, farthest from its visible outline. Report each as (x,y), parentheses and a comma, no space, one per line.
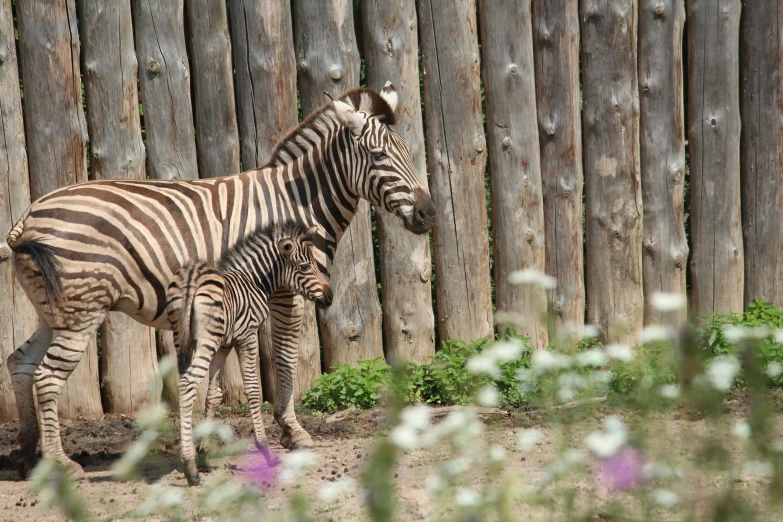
(2,58)
(678,260)
(389,47)
(736,252)
(336,74)
(713,121)
(480,144)
(646,87)
(529,236)
(616,233)
(513,69)
(153,67)
(550,130)
(506,142)
(659,11)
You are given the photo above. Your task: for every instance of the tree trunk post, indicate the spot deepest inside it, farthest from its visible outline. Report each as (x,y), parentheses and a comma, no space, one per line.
(217,137)
(613,199)
(662,146)
(717,261)
(129,360)
(556,52)
(390,49)
(164,81)
(514,158)
(263,46)
(56,134)
(328,60)
(457,157)
(18,319)
(762,150)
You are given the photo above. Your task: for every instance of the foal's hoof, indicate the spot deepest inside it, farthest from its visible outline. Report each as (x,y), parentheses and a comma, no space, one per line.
(73,470)
(301,440)
(193,478)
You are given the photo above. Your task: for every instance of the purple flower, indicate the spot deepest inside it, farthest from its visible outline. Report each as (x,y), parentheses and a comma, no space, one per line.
(257,470)
(623,470)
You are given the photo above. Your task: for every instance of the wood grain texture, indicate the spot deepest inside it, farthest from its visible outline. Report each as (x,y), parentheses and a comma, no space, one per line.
(761,149)
(662,146)
(717,258)
(613,199)
(514,160)
(390,53)
(215,115)
(457,157)
(56,133)
(328,60)
(265,65)
(556,52)
(129,363)
(18,319)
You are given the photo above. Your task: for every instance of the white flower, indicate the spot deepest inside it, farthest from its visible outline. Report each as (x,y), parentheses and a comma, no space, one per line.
(735,334)
(488,396)
(777,335)
(591,357)
(669,391)
(600,378)
(777,447)
(466,497)
(532,277)
(606,443)
(620,352)
(573,456)
(404,437)
(660,470)
(528,438)
(774,369)
(664,497)
(209,427)
(722,370)
(572,380)
(161,498)
(457,466)
(295,462)
(741,429)
(590,331)
(546,360)
(435,483)
(417,417)
(755,467)
(483,364)
(656,332)
(166,366)
(152,416)
(503,351)
(511,318)
(565,394)
(331,491)
(497,453)
(668,302)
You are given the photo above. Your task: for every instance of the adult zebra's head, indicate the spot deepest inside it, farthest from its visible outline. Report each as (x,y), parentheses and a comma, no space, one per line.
(385,175)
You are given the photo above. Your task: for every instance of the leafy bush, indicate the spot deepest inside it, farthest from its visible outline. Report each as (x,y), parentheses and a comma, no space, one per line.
(348,386)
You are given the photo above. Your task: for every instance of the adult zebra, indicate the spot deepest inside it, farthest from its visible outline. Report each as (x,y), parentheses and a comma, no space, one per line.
(114,245)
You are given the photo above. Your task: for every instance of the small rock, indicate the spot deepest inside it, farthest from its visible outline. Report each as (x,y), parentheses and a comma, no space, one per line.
(24,505)
(396,475)
(358,455)
(334,472)
(345,470)
(339,475)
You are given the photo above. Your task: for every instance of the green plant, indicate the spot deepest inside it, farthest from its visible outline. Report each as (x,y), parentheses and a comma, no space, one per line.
(348,386)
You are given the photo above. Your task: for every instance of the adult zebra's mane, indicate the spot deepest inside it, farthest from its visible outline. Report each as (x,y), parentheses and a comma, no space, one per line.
(320,123)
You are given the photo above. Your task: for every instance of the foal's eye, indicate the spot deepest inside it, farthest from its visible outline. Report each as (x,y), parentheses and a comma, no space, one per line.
(378,155)
(304,266)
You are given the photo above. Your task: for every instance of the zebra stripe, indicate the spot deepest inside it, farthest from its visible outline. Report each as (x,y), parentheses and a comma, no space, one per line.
(117,244)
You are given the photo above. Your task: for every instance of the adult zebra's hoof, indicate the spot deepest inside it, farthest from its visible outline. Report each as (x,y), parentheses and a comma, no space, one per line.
(73,470)
(191,475)
(300,441)
(22,463)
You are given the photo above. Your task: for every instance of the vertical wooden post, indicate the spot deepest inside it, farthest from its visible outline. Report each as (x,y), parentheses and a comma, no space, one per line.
(456,155)
(217,136)
(515,167)
(556,51)
(662,145)
(56,134)
(328,60)
(762,149)
(18,319)
(129,360)
(613,202)
(390,49)
(263,47)
(717,261)
(164,81)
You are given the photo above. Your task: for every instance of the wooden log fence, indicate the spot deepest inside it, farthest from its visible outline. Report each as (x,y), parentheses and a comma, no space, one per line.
(587,96)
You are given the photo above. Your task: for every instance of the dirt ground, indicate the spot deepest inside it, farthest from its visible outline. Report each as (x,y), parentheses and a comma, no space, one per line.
(343,449)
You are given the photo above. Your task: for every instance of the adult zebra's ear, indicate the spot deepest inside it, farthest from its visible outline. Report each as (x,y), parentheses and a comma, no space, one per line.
(286,246)
(348,116)
(311,235)
(389,95)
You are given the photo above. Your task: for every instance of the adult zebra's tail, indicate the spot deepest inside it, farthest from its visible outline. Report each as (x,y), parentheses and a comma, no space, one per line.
(45,258)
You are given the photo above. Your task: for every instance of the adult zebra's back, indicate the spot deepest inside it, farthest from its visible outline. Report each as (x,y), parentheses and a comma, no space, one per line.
(114,245)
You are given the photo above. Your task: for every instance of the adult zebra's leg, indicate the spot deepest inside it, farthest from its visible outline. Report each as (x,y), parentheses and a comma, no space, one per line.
(247,350)
(286,310)
(58,363)
(22,364)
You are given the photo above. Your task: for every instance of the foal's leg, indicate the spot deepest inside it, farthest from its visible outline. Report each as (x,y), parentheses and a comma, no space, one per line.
(247,350)
(60,360)
(214,398)
(22,364)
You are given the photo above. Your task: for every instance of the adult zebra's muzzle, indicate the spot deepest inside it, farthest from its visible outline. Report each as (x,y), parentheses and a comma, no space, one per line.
(424,215)
(326,299)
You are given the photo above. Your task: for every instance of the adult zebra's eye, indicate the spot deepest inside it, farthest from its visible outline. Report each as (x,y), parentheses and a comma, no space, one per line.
(378,155)
(304,267)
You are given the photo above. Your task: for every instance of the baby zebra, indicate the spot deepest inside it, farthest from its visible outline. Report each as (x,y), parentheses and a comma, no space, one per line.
(213,310)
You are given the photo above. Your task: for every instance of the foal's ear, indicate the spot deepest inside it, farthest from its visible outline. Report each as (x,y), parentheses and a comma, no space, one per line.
(286,246)
(310,235)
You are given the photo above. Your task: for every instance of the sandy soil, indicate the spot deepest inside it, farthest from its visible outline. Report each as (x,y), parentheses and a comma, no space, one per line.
(343,449)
